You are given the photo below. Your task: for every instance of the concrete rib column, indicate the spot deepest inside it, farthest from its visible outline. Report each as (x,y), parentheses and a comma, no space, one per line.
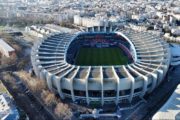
(145,79)
(92,29)
(34,53)
(160,76)
(39,68)
(132,83)
(36,69)
(165,69)
(87,94)
(58,86)
(99,28)
(154,77)
(43,74)
(72,89)
(49,80)
(110,29)
(58,83)
(154,82)
(104,29)
(102,86)
(118,85)
(168,57)
(71,82)
(145,85)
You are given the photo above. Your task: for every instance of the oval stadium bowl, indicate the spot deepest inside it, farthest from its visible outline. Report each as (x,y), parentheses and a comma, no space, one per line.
(101,64)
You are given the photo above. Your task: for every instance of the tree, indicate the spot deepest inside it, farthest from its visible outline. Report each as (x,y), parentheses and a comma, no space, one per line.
(34,85)
(22,63)
(48,98)
(8,60)
(63,111)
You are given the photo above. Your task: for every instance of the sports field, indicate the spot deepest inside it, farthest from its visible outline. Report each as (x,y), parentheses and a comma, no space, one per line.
(100,56)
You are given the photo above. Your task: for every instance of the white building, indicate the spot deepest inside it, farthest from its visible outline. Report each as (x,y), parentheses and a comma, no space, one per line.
(39,2)
(8,110)
(138,27)
(89,21)
(98,20)
(138,17)
(176,31)
(58,29)
(175,54)
(171,109)
(37,31)
(5,49)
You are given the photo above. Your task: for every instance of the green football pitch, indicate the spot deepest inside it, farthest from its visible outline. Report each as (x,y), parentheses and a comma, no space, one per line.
(100,56)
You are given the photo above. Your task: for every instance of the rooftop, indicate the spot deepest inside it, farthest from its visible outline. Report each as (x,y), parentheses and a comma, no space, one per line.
(171,109)
(5,46)
(8,110)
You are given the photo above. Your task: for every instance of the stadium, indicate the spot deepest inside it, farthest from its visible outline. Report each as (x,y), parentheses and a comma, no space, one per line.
(101,64)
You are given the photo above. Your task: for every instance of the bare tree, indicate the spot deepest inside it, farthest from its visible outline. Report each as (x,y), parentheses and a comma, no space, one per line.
(17,48)
(49,98)
(63,111)
(23,63)
(8,60)
(34,85)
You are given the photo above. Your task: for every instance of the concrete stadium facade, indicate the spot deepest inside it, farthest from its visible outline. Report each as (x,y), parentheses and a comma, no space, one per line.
(103,84)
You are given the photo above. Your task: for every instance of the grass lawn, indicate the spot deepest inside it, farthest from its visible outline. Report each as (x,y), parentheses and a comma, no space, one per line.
(101,56)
